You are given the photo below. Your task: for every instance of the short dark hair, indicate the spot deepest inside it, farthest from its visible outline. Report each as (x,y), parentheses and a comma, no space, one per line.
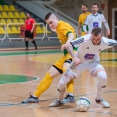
(94,4)
(48,15)
(27,13)
(84,5)
(96,31)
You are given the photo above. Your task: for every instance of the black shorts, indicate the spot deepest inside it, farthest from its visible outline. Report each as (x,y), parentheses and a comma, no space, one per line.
(28,34)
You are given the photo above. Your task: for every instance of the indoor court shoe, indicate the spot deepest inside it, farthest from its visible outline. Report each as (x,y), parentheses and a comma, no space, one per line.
(56,103)
(68,99)
(103,102)
(31,99)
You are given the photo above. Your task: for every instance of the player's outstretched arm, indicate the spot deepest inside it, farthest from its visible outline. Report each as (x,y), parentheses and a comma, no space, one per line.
(109,43)
(76,60)
(70,38)
(112,42)
(79,27)
(69,48)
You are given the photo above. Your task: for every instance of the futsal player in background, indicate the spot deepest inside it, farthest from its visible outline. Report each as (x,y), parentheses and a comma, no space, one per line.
(82,18)
(95,19)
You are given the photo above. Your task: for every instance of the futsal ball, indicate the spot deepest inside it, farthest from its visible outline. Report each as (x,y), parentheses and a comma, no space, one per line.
(83,104)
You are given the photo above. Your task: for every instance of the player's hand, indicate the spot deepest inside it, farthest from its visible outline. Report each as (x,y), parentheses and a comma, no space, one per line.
(86,33)
(63,47)
(76,61)
(31,31)
(108,33)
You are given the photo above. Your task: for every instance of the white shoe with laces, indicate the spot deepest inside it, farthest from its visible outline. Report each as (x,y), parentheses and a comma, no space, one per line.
(56,103)
(103,102)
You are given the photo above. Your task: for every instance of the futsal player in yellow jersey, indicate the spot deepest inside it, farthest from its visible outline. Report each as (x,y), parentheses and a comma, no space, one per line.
(65,33)
(82,19)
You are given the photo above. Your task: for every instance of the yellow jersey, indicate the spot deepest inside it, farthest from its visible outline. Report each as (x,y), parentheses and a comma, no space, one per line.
(82,19)
(62,30)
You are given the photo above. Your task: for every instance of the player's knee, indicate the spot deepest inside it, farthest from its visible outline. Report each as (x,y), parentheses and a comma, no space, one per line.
(61,84)
(102,78)
(70,74)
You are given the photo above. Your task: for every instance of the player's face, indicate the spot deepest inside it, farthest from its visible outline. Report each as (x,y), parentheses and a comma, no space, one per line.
(84,9)
(52,22)
(28,16)
(94,8)
(96,39)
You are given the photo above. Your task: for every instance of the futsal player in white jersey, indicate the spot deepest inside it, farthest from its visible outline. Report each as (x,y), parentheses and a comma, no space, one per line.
(95,19)
(87,58)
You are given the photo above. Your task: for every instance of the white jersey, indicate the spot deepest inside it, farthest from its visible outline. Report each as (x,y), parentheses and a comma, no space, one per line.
(95,20)
(87,51)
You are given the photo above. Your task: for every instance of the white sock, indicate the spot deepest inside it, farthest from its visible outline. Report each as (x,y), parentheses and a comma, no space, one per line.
(61,94)
(34,96)
(71,94)
(99,92)
(62,83)
(102,79)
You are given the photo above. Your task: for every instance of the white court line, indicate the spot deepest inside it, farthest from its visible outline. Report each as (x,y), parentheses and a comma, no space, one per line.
(86,87)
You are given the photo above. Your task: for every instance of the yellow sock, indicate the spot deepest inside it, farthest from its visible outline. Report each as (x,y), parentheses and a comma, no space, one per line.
(43,85)
(70,85)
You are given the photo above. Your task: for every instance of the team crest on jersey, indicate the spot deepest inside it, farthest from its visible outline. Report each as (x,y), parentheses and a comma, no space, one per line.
(89,56)
(95,24)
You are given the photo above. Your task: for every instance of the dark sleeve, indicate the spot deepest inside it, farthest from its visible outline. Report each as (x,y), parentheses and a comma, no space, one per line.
(109,42)
(75,43)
